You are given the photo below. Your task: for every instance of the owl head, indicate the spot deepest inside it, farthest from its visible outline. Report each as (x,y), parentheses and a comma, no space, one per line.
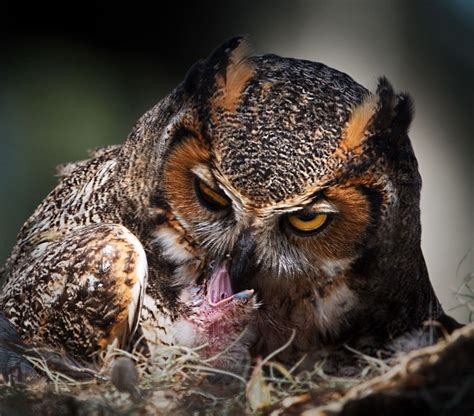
(298,181)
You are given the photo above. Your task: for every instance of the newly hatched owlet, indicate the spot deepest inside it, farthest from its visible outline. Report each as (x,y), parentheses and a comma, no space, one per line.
(257,173)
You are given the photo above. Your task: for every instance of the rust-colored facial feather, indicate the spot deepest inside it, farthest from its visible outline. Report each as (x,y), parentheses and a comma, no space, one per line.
(346,230)
(179,177)
(230,82)
(340,239)
(357,127)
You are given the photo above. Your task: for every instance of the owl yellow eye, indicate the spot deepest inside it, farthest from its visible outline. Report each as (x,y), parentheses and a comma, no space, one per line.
(211,198)
(307,222)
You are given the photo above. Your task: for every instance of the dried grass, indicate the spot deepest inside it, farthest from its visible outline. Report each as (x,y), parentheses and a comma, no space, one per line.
(176,379)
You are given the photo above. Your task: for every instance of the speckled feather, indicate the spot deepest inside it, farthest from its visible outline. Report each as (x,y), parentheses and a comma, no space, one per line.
(274,135)
(282,138)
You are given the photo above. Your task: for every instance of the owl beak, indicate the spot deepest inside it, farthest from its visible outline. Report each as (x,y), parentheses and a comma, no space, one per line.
(243,265)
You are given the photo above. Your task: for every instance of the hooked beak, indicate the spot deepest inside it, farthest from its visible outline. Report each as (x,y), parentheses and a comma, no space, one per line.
(243,266)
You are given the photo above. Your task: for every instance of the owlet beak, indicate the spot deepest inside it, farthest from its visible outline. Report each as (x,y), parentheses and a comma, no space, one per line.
(220,291)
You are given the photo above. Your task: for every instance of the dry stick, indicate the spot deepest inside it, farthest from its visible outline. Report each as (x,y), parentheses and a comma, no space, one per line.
(41,361)
(217,371)
(59,380)
(282,370)
(278,350)
(371,360)
(297,363)
(401,370)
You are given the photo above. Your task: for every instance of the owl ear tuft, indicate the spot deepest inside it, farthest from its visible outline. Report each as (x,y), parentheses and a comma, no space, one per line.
(220,65)
(404,110)
(227,57)
(394,113)
(222,77)
(378,114)
(384,111)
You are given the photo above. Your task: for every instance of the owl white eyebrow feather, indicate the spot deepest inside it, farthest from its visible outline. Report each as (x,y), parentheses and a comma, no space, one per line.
(208,230)
(203,172)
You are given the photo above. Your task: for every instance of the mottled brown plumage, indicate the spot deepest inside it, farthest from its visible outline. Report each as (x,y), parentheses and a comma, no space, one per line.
(277,175)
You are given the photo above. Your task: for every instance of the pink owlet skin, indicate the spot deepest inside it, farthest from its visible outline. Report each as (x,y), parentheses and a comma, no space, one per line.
(215,317)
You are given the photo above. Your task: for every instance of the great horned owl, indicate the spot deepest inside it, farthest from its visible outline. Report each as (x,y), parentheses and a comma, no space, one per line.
(263,191)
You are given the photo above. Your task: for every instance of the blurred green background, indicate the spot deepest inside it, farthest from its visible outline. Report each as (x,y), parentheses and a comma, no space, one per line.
(74,77)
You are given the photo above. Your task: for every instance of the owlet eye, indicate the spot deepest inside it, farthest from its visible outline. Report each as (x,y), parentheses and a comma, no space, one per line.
(307,223)
(212,199)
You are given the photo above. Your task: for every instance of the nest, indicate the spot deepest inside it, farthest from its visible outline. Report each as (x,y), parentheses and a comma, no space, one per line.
(434,380)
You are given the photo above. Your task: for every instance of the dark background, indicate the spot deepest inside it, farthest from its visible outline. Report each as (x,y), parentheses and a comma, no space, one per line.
(74,77)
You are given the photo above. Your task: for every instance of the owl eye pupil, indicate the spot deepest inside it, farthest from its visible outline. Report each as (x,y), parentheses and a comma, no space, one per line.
(306,223)
(307,216)
(210,198)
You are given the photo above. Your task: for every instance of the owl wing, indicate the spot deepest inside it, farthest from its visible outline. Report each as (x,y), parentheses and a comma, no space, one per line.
(80,292)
